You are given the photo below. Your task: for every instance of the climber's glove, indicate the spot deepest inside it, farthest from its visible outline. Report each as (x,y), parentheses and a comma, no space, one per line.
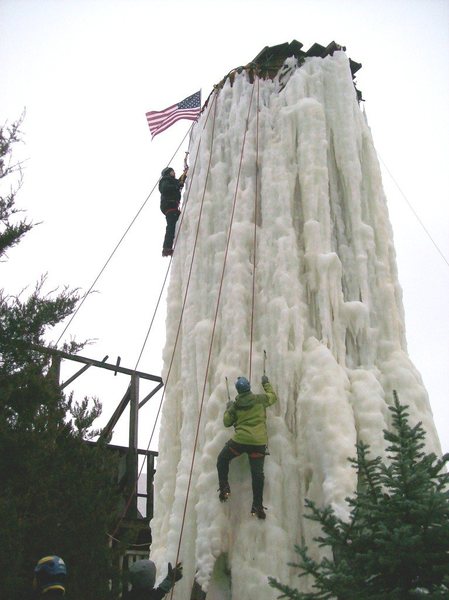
(173,576)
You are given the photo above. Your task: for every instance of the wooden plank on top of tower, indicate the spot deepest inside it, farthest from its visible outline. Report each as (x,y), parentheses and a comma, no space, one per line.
(271,59)
(355,66)
(316,50)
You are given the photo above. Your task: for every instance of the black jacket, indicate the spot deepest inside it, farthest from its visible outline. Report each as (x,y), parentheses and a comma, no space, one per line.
(170,189)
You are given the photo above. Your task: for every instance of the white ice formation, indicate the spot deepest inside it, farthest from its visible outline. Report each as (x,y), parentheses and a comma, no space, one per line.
(283,176)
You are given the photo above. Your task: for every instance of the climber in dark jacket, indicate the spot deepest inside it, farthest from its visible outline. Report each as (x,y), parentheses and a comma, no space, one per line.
(170,189)
(248,416)
(142,575)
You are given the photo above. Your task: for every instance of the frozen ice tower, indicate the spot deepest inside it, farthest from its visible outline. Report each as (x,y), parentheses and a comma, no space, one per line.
(284,245)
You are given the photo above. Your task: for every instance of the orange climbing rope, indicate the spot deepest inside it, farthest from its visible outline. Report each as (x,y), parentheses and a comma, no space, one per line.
(183,305)
(213,332)
(178,230)
(219,292)
(256,198)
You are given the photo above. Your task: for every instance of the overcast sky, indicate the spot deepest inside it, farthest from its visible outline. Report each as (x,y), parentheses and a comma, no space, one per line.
(87,71)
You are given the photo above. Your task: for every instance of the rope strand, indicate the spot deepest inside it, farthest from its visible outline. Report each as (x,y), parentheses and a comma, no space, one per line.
(179,324)
(256,195)
(415,213)
(212,336)
(117,246)
(174,245)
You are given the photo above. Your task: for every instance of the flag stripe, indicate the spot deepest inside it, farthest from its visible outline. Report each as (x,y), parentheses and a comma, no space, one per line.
(168,123)
(189,108)
(175,115)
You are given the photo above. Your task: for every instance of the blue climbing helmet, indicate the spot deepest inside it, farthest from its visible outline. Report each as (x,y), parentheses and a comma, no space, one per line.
(242,385)
(142,574)
(49,574)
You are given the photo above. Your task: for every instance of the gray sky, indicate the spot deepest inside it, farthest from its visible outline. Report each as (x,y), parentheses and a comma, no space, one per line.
(88,70)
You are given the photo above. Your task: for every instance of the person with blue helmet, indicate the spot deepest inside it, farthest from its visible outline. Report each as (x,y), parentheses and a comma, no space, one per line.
(142,575)
(49,577)
(170,189)
(248,416)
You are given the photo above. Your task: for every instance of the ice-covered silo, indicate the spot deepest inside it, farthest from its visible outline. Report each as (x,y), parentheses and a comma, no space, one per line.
(284,246)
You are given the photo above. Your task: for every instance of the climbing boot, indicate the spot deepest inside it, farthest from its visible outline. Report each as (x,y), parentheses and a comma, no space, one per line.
(167,251)
(258,511)
(224,492)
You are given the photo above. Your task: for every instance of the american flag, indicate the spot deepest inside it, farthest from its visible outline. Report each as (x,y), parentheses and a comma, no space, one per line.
(160,120)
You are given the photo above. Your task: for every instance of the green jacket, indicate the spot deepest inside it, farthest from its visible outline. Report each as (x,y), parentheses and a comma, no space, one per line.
(248,415)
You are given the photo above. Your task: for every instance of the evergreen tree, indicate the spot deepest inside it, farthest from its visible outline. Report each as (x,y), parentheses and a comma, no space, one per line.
(395,544)
(10,233)
(58,495)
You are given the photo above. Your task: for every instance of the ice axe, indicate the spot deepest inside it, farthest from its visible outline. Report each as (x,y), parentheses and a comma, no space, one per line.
(267,451)
(183,177)
(227,388)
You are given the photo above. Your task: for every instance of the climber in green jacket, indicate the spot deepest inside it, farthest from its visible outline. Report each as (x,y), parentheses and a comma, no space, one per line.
(248,416)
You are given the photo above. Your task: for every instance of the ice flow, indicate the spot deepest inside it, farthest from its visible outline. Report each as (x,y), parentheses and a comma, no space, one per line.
(285,245)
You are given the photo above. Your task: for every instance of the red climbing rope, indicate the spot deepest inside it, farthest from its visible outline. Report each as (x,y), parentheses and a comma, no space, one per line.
(181,316)
(256,198)
(213,333)
(178,230)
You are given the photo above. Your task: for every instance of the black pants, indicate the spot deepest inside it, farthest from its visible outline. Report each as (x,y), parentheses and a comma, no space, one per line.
(171,217)
(256,457)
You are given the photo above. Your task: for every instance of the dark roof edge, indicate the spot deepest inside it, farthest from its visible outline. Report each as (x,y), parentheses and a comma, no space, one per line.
(270,56)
